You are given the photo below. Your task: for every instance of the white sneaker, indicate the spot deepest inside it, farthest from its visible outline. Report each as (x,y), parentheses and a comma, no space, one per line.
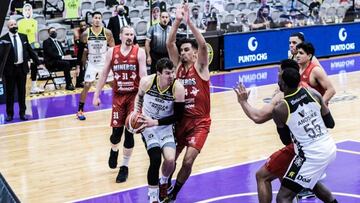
(36,90)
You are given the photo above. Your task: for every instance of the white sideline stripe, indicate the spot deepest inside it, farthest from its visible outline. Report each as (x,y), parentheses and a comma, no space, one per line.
(349,151)
(274,192)
(212,169)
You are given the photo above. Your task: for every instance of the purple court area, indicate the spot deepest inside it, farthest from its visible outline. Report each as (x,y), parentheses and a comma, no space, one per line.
(238,184)
(67,105)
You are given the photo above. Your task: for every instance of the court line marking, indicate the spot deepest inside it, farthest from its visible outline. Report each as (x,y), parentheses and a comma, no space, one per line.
(216,168)
(349,151)
(274,192)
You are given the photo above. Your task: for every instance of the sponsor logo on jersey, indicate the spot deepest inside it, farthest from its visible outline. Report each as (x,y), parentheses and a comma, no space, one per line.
(303,179)
(291,174)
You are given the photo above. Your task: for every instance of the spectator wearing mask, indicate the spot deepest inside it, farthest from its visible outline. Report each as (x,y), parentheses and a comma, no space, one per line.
(263,20)
(77,33)
(54,57)
(209,14)
(195,18)
(353,13)
(155,43)
(117,22)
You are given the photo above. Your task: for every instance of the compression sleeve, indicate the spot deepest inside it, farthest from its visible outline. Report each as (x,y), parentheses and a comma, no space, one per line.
(179,108)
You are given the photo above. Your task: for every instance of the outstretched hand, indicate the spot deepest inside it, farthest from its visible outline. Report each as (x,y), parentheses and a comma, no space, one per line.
(179,13)
(241,92)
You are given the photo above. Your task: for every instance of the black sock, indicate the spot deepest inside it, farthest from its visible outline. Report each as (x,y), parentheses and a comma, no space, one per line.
(81,106)
(176,189)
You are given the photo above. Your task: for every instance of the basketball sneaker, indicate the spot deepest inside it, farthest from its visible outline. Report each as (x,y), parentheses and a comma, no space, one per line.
(36,90)
(113,158)
(306,193)
(80,115)
(163,196)
(123,174)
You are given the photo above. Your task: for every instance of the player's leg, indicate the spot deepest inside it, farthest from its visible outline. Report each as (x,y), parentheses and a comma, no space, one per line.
(286,195)
(127,151)
(323,193)
(153,173)
(90,76)
(263,179)
(115,139)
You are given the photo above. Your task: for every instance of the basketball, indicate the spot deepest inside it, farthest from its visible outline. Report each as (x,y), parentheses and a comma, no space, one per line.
(133,121)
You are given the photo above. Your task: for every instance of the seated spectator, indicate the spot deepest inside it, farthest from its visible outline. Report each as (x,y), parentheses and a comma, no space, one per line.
(353,13)
(208,15)
(263,20)
(314,5)
(195,18)
(55,59)
(16,7)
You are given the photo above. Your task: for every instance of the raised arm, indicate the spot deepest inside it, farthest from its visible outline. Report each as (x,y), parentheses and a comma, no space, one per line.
(103,77)
(171,41)
(202,63)
(257,115)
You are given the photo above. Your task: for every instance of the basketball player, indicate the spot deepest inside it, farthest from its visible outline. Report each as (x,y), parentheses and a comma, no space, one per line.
(312,74)
(192,70)
(277,164)
(128,64)
(304,116)
(161,99)
(97,39)
(295,39)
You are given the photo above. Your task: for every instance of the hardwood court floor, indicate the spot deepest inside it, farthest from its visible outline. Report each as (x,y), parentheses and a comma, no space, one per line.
(63,159)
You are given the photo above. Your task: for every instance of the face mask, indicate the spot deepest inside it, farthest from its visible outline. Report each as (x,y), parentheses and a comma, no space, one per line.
(196,15)
(121,12)
(265,14)
(53,34)
(13,30)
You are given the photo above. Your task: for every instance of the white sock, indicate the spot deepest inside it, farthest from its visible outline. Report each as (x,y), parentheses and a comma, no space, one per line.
(153,194)
(33,84)
(126,160)
(163,180)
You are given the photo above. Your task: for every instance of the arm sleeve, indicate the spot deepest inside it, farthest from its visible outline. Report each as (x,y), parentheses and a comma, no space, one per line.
(179,108)
(328,120)
(284,135)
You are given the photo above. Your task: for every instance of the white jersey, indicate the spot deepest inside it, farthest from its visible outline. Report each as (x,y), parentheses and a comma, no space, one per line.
(97,47)
(309,133)
(158,104)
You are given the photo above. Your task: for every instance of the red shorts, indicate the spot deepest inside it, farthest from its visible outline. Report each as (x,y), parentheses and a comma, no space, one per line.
(192,132)
(122,106)
(279,161)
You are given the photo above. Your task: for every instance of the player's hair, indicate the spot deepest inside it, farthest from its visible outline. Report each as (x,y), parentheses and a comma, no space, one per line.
(299,35)
(289,63)
(291,77)
(123,28)
(164,63)
(307,47)
(96,13)
(193,43)
(50,29)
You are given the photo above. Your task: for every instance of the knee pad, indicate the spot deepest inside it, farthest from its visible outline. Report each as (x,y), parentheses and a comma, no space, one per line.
(115,137)
(155,162)
(129,139)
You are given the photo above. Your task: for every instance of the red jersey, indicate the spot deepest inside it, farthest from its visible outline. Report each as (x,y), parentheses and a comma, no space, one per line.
(305,79)
(197,93)
(126,70)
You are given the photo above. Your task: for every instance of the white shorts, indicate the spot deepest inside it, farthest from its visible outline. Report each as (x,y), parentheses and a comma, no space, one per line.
(307,172)
(159,136)
(94,70)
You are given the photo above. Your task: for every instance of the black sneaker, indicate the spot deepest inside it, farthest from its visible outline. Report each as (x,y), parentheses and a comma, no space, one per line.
(306,193)
(113,158)
(163,195)
(123,174)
